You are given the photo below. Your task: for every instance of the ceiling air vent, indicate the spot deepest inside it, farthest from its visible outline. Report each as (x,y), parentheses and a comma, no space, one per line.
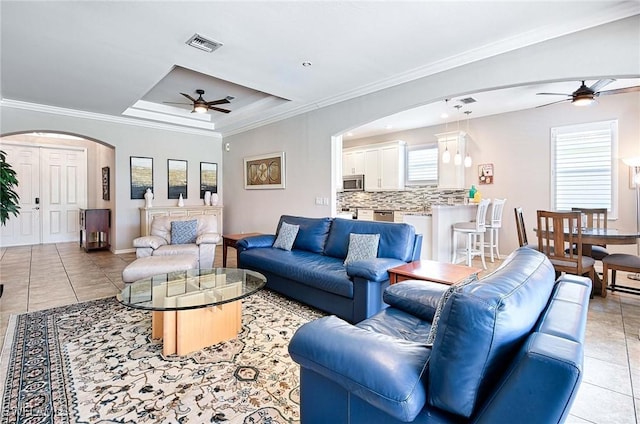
(467,100)
(202,43)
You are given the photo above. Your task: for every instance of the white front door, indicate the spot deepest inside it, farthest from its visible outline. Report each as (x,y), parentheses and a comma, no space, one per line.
(52,185)
(25,228)
(64,192)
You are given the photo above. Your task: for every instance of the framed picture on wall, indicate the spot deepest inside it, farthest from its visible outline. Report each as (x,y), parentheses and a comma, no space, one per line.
(485,173)
(141,176)
(208,178)
(177,172)
(105,183)
(264,171)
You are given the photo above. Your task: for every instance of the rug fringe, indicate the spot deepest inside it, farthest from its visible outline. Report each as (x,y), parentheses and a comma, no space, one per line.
(6,353)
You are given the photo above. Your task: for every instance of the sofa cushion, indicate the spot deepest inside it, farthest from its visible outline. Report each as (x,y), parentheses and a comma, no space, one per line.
(177,249)
(417,297)
(184,232)
(286,236)
(396,240)
(312,233)
(362,246)
(306,268)
(482,325)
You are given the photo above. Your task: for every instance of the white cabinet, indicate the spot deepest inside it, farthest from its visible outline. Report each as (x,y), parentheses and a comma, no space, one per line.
(384,166)
(423,225)
(365,214)
(353,162)
(451,175)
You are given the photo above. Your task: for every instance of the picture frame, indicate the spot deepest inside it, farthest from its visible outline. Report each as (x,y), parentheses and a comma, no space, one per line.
(265,171)
(177,178)
(208,178)
(141,169)
(105,183)
(485,173)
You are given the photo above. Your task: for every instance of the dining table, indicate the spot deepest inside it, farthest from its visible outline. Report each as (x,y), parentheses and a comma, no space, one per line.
(604,236)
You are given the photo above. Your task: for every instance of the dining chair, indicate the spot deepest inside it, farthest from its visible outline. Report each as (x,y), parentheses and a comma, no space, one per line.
(619,262)
(557,233)
(522,229)
(493,227)
(595,218)
(474,232)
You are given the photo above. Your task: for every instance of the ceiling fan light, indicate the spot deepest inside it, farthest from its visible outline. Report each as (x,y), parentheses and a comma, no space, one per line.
(200,109)
(583,100)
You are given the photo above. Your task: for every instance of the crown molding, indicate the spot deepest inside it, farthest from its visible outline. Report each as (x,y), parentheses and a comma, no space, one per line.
(34,107)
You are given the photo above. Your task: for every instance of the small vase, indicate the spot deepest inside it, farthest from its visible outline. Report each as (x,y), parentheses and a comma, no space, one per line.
(214,199)
(180,201)
(207,198)
(148,198)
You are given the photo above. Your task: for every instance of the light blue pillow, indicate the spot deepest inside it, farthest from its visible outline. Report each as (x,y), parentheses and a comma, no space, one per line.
(286,236)
(184,232)
(362,246)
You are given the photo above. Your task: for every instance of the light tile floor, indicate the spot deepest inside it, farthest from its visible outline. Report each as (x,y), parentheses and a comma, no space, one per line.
(45,276)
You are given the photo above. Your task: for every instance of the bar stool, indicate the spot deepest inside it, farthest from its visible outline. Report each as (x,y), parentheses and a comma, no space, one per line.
(494,226)
(474,232)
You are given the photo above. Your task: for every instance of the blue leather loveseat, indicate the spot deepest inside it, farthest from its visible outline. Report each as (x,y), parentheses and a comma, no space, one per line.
(313,271)
(506,349)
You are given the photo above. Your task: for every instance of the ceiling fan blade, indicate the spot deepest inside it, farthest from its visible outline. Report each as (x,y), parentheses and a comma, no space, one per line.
(189,97)
(554,94)
(176,103)
(219,109)
(600,84)
(553,103)
(218,102)
(620,90)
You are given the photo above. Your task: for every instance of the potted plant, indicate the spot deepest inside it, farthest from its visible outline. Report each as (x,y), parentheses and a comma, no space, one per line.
(9,199)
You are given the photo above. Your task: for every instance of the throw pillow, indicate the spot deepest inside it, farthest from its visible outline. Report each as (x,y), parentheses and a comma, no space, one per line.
(443,300)
(362,246)
(184,232)
(286,236)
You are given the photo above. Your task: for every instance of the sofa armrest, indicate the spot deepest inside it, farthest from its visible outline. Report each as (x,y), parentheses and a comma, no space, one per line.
(373,269)
(418,298)
(208,238)
(149,241)
(386,372)
(263,240)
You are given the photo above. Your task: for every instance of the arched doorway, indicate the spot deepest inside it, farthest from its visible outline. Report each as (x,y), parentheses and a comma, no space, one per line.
(58,174)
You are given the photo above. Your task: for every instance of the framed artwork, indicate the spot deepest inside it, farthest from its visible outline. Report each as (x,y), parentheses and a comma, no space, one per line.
(141,176)
(105,183)
(177,172)
(208,178)
(485,173)
(264,171)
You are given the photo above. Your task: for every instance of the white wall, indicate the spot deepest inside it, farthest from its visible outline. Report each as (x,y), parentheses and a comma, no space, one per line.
(611,50)
(128,140)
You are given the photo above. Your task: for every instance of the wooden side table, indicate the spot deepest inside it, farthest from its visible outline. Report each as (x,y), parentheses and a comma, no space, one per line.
(231,240)
(439,272)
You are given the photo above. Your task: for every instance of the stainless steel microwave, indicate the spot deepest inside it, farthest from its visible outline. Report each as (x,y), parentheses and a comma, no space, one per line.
(353,182)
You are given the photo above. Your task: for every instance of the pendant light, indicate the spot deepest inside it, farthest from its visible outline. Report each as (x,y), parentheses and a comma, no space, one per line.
(446,156)
(457,159)
(467,158)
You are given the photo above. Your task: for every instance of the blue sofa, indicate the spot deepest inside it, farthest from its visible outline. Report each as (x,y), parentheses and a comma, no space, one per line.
(507,348)
(313,272)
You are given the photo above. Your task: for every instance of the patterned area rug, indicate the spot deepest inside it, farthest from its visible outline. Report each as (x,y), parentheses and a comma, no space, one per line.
(96,362)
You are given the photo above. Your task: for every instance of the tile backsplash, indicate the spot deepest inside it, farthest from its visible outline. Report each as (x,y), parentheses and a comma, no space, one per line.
(413,198)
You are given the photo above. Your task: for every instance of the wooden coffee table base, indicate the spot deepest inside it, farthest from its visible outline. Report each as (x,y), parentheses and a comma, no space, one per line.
(186,331)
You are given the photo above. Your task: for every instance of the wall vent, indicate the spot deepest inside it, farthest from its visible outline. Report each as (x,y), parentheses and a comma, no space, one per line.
(468,100)
(203,43)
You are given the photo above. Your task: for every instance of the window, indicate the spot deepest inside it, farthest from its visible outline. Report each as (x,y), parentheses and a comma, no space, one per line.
(422,164)
(583,166)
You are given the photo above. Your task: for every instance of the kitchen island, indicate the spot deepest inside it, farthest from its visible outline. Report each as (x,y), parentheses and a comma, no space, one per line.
(443,218)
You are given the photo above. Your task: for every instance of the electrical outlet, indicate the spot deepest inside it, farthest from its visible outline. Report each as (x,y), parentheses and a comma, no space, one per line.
(318,200)
(325,201)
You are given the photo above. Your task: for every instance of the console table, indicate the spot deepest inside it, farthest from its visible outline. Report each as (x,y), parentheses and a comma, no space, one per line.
(95,226)
(147,215)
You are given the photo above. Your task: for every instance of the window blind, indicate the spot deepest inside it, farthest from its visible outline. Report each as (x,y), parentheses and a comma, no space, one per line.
(422,164)
(583,166)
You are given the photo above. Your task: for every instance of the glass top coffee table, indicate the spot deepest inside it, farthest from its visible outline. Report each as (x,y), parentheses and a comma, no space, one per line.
(193,309)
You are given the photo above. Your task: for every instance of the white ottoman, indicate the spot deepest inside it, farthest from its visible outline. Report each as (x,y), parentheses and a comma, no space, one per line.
(154,265)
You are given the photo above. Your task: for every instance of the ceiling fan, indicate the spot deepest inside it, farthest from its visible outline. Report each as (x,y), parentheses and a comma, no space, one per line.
(200,105)
(585,96)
